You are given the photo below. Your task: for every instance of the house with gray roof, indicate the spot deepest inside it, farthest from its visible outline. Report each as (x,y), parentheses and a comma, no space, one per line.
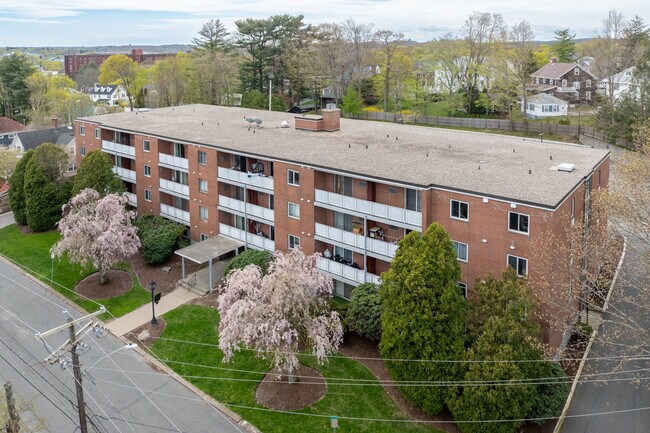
(544,105)
(571,82)
(110,95)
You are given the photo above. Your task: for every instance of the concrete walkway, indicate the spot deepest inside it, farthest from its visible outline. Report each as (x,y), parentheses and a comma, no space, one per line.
(7,219)
(142,315)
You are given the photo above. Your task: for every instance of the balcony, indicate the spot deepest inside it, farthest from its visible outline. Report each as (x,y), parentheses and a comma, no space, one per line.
(254,180)
(253,211)
(174,188)
(375,211)
(254,241)
(125,174)
(374,247)
(173,162)
(338,270)
(117,148)
(175,214)
(133,199)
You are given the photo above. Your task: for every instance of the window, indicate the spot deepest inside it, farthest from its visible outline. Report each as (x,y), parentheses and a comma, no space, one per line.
(239,222)
(146,145)
(576,71)
(343,185)
(576,85)
(392,190)
(147,195)
(459,210)
(363,183)
(72,167)
(82,130)
(294,210)
(551,81)
(461,251)
(294,242)
(517,222)
(179,150)
(588,95)
(180,177)
(82,150)
(564,83)
(147,170)
(97,132)
(462,287)
(293,177)
(203,213)
(72,150)
(203,185)
(204,237)
(519,264)
(414,200)
(588,83)
(240,163)
(203,157)
(531,107)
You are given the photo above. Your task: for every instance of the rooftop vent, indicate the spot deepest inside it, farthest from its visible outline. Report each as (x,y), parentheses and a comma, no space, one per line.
(284,124)
(565,166)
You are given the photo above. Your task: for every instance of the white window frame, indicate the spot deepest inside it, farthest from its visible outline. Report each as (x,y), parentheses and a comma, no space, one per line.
(576,85)
(97,132)
(72,150)
(588,83)
(456,245)
(576,71)
(588,95)
(203,210)
(517,268)
(82,150)
(527,233)
(205,159)
(293,177)
(82,130)
(296,241)
(296,206)
(565,83)
(147,193)
(147,170)
(203,182)
(451,210)
(146,146)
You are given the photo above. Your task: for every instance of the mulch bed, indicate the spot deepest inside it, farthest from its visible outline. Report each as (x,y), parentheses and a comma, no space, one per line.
(282,395)
(165,281)
(154,333)
(119,282)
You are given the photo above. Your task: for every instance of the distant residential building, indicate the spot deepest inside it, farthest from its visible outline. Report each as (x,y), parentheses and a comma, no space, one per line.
(571,82)
(110,95)
(74,62)
(624,83)
(10,125)
(544,105)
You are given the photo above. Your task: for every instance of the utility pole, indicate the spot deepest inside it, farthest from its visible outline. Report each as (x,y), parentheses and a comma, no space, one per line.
(12,425)
(76,369)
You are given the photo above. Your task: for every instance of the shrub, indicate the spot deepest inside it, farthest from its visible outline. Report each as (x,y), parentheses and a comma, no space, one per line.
(17,188)
(158,237)
(342,309)
(364,313)
(261,259)
(552,394)
(564,121)
(96,172)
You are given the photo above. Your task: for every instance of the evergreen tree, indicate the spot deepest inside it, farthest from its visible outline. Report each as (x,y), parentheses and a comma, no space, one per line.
(423,314)
(96,172)
(14,70)
(565,47)
(213,36)
(17,188)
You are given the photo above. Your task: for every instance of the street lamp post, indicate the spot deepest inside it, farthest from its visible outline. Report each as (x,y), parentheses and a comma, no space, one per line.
(271,77)
(52,271)
(152,286)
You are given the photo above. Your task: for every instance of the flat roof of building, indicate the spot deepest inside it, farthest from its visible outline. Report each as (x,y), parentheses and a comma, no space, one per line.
(491,165)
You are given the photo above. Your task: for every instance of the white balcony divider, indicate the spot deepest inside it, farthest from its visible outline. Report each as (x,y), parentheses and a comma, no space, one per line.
(124,173)
(353,240)
(174,188)
(250,179)
(369,208)
(252,210)
(254,241)
(175,214)
(348,272)
(133,199)
(118,148)
(173,161)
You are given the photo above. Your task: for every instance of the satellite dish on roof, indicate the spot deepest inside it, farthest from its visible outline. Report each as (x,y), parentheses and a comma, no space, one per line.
(258,121)
(250,120)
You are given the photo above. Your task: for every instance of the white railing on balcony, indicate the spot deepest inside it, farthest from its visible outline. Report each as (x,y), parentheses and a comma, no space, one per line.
(344,271)
(249,179)
(173,161)
(252,210)
(349,239)
(125,173)
(133,199)
(118,148)
(254,241)
(175,214)
(369,208)
(174,188)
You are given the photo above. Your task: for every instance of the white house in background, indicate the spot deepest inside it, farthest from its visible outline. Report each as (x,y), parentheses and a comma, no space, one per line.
(623,83)
(109,94)
(545,105)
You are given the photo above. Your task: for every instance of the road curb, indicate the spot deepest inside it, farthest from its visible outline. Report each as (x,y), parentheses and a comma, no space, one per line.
(592,338)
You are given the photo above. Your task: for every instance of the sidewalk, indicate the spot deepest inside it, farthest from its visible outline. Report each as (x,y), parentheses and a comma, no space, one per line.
(142,315)
(7,219)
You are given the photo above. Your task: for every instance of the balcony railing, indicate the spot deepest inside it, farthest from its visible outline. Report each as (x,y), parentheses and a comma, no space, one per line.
(252,210)
(244,178)
(133,199)
(173,161)
(118,148)
(125,174)
(340,270)
(355,241)
(174,188)
(254,241)
(391,214)
(175,214)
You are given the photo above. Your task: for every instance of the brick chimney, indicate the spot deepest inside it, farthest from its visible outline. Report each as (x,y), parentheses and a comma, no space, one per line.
(553,60)
(329,121)
(55,122)
(332,119)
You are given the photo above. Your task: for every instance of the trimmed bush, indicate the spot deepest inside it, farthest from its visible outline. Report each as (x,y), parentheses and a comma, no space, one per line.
(364,313)
(96,172)
(261,259)
(17,188)
(158,237)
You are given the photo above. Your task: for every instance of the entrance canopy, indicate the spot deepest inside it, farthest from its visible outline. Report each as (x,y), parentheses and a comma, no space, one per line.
(211,248)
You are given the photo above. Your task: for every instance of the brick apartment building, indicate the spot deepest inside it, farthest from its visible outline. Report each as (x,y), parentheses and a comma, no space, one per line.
(347,189)
(74,62)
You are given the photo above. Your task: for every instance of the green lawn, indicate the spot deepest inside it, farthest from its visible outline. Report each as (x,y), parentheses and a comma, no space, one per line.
(32,253)
(198,324)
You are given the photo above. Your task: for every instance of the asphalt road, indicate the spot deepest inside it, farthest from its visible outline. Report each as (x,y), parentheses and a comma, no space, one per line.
(123,392)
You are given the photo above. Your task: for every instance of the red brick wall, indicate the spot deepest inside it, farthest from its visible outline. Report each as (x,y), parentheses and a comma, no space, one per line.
(302,195)
(198,199)
(87,140)
(152,183)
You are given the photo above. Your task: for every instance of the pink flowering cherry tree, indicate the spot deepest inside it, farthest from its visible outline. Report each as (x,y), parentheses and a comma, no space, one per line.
(280,312)
(97,231)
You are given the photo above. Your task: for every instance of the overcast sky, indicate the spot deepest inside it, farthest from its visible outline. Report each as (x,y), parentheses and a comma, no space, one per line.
(116,22)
